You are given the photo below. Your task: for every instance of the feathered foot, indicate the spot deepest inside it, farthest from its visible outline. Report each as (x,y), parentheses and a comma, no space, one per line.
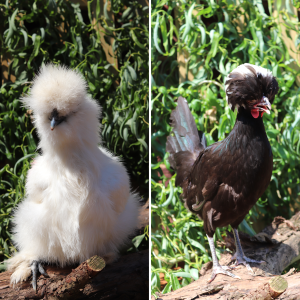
(240,256)
(217,268)
(35,268)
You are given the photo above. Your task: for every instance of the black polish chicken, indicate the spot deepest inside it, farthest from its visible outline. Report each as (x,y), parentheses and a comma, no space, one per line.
(222,182)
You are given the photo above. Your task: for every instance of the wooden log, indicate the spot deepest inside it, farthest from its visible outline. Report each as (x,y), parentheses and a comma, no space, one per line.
(125,279)
(278,245)
(277,286)
(271,290)
(67,287)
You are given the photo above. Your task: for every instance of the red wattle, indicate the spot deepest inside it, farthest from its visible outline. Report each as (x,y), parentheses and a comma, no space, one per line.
(262,113)
(255,113)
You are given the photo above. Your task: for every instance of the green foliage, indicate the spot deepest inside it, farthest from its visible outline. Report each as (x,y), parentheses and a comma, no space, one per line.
(176,238)
(213,38)
(36,32)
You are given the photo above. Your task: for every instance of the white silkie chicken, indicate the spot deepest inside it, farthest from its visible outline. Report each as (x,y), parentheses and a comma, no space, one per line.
(78,201)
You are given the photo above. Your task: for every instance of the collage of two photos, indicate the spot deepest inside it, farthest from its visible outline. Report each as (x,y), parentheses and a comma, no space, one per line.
(149,150)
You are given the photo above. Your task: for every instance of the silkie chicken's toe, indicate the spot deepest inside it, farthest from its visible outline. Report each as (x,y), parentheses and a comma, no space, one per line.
(36,267)
(244,260)
(222,270)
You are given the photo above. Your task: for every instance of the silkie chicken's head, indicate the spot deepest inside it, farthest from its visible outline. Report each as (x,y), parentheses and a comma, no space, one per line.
(63,113)
(251,87)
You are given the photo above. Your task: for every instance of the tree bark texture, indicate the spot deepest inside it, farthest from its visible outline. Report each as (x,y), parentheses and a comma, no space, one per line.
(278,245)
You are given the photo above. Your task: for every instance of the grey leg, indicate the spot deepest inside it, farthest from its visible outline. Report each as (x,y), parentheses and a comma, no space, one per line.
(35,268)
(217,268)
(239,254)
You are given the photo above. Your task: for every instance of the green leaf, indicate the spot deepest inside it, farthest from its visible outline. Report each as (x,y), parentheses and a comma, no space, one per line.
(155,37)
(12,26)
(215,44)
(132,73)
(20,160)
(240,47)
(126,13)
(194,273)
(167,288)
(171,194)
(203,34)
(272,133)
(137,240)
(163,28)
(196,244)
(189,22)
(136,40)
(182,274)
(175,283)
(143,143)
(25,37)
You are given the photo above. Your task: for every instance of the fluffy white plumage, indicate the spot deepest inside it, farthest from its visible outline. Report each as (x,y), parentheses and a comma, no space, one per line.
(78,201)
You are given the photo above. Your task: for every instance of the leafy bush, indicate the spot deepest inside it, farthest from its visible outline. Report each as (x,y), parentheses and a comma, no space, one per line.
(36,32)
(213,38)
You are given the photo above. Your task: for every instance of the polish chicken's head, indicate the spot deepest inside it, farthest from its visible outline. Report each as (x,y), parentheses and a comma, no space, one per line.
(251,87)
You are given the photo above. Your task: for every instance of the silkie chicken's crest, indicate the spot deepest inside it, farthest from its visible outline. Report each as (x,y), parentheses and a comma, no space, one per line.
(251,87)
(56,87)
(62,110)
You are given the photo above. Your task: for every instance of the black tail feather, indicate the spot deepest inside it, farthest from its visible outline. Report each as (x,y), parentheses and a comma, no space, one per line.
(185,143)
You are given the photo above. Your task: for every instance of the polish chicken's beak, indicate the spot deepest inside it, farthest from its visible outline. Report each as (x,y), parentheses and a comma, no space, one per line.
(264,106)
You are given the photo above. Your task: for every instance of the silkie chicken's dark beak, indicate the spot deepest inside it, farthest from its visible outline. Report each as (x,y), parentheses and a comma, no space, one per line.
(53,123)
(264,106)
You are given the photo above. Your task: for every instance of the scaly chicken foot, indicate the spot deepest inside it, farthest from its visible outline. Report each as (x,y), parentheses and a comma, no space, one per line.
(35,268)
(239,255)
(217,268)
(221,270)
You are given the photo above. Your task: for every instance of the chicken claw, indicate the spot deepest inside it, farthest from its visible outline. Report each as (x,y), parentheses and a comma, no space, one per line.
(240,256)
(217,268)
(244,260)
(222,270)
(35,268)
